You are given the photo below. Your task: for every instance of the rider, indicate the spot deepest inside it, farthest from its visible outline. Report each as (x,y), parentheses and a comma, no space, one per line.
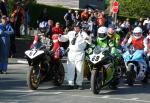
(41,39)
(114,40)
(104,42)
(113,36)
(138,42)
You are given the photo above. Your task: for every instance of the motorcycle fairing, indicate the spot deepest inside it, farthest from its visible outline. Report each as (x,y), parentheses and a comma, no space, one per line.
(136,56)
(33,53)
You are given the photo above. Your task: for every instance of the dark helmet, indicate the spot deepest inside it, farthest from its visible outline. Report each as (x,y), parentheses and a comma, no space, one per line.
(43,26)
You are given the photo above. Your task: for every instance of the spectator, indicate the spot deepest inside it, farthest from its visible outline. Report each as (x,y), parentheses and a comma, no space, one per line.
(109,19)
(19,15)
(77,16)
(57,29)
(100,19)
(3,7)
(12,39)
(93,19)
(85,15)
(5,32)
(27,20)
(50,26)
(68,19)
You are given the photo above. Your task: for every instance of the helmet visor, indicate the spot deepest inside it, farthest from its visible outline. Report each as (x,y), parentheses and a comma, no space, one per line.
(137,34)
(102,35)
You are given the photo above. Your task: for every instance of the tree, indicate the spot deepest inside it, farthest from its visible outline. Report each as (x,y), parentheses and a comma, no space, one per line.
(134,8)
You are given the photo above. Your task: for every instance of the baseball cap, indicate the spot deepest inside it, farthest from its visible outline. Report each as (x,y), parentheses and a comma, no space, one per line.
(4,17)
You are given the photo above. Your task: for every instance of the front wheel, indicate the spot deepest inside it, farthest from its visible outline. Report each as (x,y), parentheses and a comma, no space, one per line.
(96,81)
(33,77)
(131,75)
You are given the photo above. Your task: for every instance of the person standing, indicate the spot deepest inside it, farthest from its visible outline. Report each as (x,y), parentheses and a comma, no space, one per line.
(19,15)
(5,32)
(78,40)
(3,7)
(50,27)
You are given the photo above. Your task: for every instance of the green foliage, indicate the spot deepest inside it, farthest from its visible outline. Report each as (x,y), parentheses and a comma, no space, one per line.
(10,5)
(134,8)
(55,13)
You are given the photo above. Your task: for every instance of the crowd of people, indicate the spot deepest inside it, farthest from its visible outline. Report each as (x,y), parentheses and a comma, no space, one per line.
(89,26)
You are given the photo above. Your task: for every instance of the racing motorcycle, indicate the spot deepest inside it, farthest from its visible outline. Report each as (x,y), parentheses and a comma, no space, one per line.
(104,71)
(134,60)
(43,67)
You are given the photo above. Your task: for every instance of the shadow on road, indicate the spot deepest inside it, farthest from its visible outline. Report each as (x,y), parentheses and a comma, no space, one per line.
(136,89)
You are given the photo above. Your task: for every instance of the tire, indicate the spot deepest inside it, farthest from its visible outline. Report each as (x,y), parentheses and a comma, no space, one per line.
(59,74)
(96,81)
(33,77)
(131,75)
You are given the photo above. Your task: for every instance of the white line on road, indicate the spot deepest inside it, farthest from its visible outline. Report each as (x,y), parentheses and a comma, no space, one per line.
(122,99)
(18,91)
(40,93)
(107,96)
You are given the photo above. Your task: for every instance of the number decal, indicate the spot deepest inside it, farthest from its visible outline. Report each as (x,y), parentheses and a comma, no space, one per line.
(32,53)
(95,58)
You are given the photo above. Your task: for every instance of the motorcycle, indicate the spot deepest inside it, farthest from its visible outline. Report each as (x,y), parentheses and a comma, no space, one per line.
(104,71)
(134,60)
(43,67)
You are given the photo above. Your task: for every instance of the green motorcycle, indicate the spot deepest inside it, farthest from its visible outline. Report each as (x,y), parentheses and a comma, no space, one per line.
(104,69)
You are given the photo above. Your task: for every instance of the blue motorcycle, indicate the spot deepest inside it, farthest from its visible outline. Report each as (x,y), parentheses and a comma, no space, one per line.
(135,64)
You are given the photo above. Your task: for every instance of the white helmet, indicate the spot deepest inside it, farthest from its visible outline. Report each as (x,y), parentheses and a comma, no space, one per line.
(137,32)
(102,33)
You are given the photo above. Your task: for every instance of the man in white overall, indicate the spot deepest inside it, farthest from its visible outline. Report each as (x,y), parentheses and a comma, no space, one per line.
(78,40)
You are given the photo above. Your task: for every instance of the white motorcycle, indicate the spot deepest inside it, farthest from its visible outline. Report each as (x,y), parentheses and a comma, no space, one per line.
(43,67)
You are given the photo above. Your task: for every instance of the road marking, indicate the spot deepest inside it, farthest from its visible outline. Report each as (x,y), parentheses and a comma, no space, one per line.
(122,99)
(107,96)
(18,91)
(39,93)
(134,98)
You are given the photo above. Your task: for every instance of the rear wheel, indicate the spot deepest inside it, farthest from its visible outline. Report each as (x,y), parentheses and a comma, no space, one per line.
(96,81)
(33,77)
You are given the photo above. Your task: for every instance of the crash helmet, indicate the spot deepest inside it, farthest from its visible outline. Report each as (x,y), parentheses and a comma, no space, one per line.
(137,32)
(102,33)
(111,31)
(43,26)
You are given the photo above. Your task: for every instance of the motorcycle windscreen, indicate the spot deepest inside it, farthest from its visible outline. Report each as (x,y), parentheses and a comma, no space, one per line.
(33,53)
